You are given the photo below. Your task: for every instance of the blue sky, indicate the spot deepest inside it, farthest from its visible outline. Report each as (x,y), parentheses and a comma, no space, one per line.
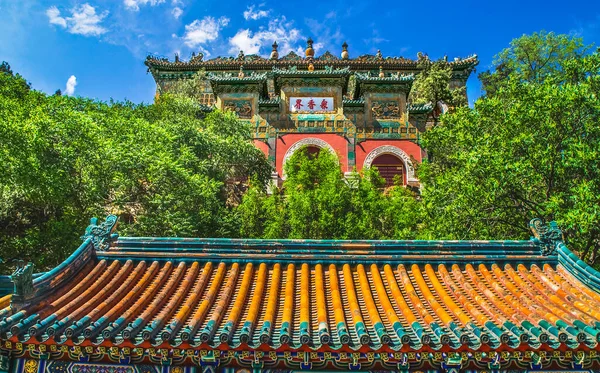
(96,48)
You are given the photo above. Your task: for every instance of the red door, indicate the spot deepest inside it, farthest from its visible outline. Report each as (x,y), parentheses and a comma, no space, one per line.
(389,166)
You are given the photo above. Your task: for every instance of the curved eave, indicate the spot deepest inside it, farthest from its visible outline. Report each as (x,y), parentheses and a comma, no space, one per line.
(578,268)
(64,272)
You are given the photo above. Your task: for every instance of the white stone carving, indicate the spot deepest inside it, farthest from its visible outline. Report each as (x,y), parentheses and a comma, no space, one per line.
(389,149)
(309,141)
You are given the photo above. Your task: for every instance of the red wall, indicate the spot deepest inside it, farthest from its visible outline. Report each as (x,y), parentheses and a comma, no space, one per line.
(364,148)
(337,142)
(262,146)
(340,145)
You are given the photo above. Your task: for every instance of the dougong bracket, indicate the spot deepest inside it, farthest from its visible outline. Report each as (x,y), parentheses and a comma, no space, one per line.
(549,235)
(103,234)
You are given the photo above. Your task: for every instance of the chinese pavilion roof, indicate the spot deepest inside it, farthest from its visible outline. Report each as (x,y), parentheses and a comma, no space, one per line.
(324,63)
(255,62)
(307,295)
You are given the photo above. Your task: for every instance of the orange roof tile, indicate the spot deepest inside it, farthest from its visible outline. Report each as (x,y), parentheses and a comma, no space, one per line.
(302,295)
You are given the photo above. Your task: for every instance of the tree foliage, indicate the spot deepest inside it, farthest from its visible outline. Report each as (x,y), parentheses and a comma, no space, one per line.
(432,85)
(530,149)
(316,201)
(533,58)
(160,167)
(192,87)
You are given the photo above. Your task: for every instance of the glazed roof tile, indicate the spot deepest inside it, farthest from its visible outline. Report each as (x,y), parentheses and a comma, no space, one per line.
(327,70)
(419,108)
(292,59)
(270,101)
(313,295)
(230,78)
(393,78)
(357,102)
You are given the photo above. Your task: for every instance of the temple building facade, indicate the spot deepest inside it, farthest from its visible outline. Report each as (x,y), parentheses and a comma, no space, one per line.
(358,108)
(193,305)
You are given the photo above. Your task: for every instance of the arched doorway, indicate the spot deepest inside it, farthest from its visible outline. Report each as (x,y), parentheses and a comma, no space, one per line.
(408,174)
(312,145)
(390,166)
(312,151)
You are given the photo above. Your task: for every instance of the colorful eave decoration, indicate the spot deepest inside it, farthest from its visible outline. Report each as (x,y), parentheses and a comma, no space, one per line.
(309,304)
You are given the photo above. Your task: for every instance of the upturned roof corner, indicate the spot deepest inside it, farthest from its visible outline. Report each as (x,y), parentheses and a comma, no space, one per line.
(550,235)
(101,234)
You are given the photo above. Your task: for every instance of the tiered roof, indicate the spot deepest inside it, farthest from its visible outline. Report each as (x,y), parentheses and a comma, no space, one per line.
(328,296)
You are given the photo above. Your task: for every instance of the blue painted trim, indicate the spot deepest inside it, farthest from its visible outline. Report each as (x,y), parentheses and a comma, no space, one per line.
(7,286)
(326,251)
(578,268)
(66,270)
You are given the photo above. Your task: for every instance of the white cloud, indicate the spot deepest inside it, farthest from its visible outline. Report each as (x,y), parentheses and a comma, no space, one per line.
(71,83)
(83,20)
(135,4)
(86,22)
(177,12)
(250,14)
(279,29)
(244,40)
(318,47)
(201,31)
(54,16)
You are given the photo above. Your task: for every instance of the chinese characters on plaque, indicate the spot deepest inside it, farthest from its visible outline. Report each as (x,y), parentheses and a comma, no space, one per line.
(311,104)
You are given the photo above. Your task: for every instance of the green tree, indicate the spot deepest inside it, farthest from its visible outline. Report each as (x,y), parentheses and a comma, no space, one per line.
(316,201)
(165,169)
(189,87)
(432,85)
(532,58)
(529,150)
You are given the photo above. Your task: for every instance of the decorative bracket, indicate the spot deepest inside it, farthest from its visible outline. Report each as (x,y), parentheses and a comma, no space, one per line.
(22,279)
(4,363)
(102,235)
(548,235)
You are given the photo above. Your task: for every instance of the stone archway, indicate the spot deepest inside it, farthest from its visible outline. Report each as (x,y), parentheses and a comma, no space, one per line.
(389,149)
(309,141)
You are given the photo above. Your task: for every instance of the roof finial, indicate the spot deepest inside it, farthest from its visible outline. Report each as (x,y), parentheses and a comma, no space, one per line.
(240,55)
(381,73)
(176,57)
(274,53)
(345,54)
(310,52)
(379,55)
